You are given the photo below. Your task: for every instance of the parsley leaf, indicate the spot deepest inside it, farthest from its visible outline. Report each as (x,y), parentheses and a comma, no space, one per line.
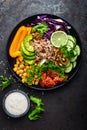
(5,82)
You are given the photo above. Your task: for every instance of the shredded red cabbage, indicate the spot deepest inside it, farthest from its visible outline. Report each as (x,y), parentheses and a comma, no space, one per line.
(53,25)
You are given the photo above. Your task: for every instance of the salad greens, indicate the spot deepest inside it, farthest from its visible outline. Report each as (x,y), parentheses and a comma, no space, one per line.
(68,54)
(34,114)
(37,70)
(5,82)
(41,28)
(37,101)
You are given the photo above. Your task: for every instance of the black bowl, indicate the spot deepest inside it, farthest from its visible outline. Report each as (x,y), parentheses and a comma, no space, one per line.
(10,114)
(28,21)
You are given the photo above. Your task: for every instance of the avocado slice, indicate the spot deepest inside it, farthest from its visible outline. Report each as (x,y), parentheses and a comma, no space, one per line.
(31,56)
(28,53)
(30,62)
(27,43)
(28,46)
(28,38)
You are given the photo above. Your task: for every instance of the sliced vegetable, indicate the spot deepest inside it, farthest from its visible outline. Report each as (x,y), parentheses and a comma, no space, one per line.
(71,38)
(77,49)
(74,64)
(70,45)
(27,50)
(14,50)
(73,59)
(27,42)
(29,61)
(68,68)
(59,38)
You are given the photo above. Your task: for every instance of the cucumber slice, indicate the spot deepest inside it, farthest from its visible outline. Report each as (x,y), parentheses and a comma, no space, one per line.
(73,59)
(77,50)
(68,68)
(74,64)
(70,45)
(68,64)
(71,38)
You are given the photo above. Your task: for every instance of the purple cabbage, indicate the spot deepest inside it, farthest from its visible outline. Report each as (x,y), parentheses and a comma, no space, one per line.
(53,25)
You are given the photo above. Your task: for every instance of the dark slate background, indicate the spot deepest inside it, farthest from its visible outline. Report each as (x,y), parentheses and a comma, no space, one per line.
(66,107)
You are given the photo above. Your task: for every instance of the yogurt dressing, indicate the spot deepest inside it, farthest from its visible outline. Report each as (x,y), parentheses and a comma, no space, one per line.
(16,103)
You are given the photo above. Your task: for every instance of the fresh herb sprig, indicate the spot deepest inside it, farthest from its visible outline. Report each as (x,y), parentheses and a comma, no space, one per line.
(5,82)
(69,54)
(34,114)
(41,28)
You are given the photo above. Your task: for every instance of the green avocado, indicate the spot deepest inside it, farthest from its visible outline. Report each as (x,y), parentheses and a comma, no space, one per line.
(29,62)
(25,51)
(28,38)
(31,56)
(27,43)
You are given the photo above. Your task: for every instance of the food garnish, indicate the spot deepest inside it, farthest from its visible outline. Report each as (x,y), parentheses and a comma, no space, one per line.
(5,82)
(34,114)
(59,38)
(41,28)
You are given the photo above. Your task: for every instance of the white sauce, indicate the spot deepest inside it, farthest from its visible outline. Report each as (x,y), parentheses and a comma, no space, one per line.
(16,103)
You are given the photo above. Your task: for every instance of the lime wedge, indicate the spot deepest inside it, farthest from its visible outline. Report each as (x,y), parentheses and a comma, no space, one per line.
(59,38)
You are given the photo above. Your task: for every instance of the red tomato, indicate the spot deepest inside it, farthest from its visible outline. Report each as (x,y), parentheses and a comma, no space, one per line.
(52,74)
(58,79)
(42,81)
(49,82)
(50,79)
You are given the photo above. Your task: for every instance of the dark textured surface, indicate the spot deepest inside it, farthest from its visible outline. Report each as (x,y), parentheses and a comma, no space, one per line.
(65,108)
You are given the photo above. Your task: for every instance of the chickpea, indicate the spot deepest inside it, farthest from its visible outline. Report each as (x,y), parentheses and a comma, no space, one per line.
(25,74)
(20,58)
(15,65)
(35,76)
(21,71)
(22,62)
(33,82)
(23,80)
(18,63)
(36,82)
(21,66)
(18,72)
(15,69)
(27,67)
(21,75)
(25,70)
